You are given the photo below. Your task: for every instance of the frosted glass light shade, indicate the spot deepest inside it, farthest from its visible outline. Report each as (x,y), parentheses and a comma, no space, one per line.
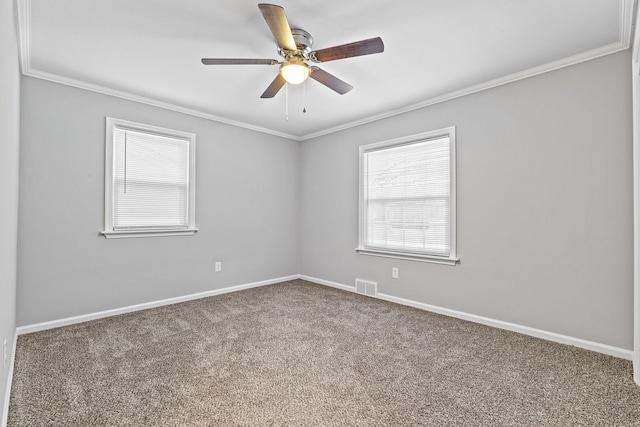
(295,72)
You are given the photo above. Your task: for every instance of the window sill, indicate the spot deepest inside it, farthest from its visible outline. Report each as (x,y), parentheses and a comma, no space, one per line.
(407,256)
(146,233)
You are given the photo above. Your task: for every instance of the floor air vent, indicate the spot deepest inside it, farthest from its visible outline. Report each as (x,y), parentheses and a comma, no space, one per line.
(366,287)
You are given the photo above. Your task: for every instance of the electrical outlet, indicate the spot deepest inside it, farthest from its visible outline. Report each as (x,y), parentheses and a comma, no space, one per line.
(4,352)
(395,272)
(218,266)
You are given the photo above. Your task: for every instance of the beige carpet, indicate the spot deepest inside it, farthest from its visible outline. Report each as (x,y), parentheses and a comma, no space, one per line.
(301,354)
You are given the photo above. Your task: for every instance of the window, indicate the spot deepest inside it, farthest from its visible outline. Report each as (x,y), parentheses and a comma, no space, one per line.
(407,198)
(149,181)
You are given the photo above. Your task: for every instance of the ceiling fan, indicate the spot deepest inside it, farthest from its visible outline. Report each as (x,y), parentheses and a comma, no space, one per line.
(294,45)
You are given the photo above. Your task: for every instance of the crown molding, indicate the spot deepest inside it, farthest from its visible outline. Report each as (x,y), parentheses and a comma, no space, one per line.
(623,43)
(636,36)
(24,33)
(627,19)
(24,41)
(150,101)
(626,26)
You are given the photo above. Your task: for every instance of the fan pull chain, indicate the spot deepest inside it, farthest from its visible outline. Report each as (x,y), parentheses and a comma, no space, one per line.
(304,96)
(286,102)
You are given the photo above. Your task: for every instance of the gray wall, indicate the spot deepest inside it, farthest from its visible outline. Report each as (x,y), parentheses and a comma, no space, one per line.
(9,149)
(544,199)
(247,208)
(545,227)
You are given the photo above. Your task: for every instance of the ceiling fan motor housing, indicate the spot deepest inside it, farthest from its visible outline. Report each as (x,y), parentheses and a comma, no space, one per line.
(304,43)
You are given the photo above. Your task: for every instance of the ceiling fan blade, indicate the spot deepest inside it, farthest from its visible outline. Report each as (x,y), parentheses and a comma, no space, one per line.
(274,87)
(278,24)
(330,81)
(237,61)
(349,50)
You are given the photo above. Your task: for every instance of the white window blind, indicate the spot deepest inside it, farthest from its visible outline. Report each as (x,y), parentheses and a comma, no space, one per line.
(151,185)
(150,180)
(406,198)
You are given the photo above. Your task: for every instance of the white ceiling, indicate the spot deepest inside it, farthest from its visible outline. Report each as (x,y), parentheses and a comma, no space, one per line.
(150,50)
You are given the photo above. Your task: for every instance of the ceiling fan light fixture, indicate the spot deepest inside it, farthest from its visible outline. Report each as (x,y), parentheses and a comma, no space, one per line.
(295,46)
(294,71)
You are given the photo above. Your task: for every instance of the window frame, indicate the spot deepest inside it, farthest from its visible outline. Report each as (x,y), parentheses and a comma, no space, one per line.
(363,249)
(111,125)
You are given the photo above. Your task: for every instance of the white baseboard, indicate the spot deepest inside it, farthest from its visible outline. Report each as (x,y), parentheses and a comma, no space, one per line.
(526,330)
(538,333)
(7,394)
(328,283)
(114,312)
